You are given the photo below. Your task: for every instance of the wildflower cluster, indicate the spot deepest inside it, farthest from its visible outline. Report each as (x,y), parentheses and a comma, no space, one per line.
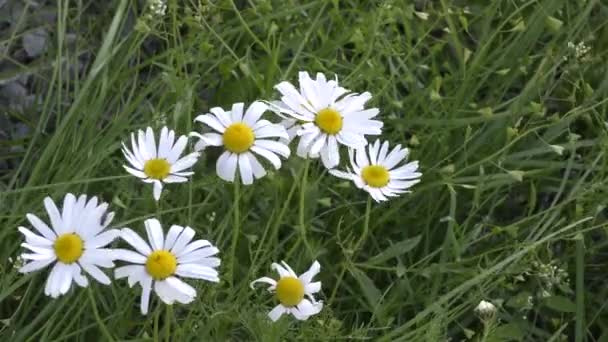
(156,8)
(320,114)
(580,51)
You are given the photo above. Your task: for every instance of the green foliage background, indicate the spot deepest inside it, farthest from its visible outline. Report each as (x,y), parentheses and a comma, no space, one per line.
(509,125)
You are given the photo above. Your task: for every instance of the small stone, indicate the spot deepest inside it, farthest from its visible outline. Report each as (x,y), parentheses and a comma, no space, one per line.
(34,42)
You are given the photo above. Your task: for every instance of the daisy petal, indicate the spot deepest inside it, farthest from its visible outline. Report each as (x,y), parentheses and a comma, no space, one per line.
(314,269)
(266,280)
(282,271)
(313,287)
(185,162)
(165,142)
(130,256)
(186,292)
(80,279)
(177,149)
(56,218)
(102,239)
(41,227)
(271,157)
(192,247)
(151,143)
(256,167)
(146,288)
(155,234)
(316,146)
(133,239)
(236,112)
(276,313)
(245,169)
(175,179)
(274,146)
(222,116)
(65,278)
(136,173)
(36,265)
(172,236)
(197,272)
(226,166)
(157,189)
(33,238)
(184,238)
(341,174)
(96,273)
(254,112)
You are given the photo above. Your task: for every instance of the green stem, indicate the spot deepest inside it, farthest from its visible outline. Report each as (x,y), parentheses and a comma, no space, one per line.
(272,230)
(158,210)
(486,332)
(368,209)
(237,227)
(168,319)
(102,326)
(156,316)
(580,289)
(302,210)
(304,176)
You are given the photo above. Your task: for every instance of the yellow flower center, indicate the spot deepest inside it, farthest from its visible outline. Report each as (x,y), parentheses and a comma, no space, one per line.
(329,120)
(157,168)
(290,291)
(161,264)
(238,137)
(375,176)
(68,248)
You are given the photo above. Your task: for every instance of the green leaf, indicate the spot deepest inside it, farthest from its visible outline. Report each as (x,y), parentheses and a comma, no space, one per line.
(520,301)
(486,112)
(371,293)
(395,250)
(560,304)
(508,332)
(553,23)
(517,174)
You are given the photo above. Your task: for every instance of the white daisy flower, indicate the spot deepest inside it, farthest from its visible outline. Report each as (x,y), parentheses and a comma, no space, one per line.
(328,115)
(158,264)
(159,165)
(290,291)
(75,241)
(377,172)
(243,136)
(485,309)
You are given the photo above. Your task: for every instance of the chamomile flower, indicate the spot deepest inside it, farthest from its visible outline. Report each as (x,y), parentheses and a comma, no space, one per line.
(485,309)
(375,170)
(327,116)
(159,165)
(159,264)
(243,137)
(74,242)
(291,291)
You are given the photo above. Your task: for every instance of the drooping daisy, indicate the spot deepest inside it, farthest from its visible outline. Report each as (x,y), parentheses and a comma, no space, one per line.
(291,290)
(75,241)
(243,136)
(328,115)
(159,264)
(375,170)
(159,165)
